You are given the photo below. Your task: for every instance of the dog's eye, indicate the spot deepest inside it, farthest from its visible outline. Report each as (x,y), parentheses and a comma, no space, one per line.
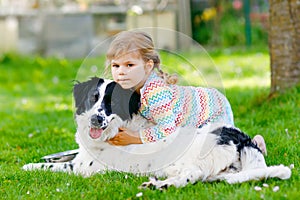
(94,97)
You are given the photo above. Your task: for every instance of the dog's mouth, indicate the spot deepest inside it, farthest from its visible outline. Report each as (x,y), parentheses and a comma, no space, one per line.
(96,132)
(98,124)
(97,128)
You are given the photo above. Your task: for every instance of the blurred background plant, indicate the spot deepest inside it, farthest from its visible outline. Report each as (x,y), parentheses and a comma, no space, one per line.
(222,23)
(50,27)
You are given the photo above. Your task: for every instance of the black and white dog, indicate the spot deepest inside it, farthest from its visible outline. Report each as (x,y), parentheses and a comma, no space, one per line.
(214,152)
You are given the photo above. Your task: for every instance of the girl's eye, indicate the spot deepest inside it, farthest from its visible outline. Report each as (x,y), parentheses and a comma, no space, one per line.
(115,66)
(130,65)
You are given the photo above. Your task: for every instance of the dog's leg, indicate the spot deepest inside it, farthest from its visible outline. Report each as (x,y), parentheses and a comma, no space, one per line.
(184,177)
(254,168)
(56,167)
(279,171)
(84,169)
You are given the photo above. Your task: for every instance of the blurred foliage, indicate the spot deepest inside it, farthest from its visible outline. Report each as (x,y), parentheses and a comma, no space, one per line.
(223,24)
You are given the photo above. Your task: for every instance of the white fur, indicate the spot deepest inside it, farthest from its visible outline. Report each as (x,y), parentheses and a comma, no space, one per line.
(198,159)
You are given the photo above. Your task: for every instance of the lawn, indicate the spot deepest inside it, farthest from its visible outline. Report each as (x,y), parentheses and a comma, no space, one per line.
(37,119)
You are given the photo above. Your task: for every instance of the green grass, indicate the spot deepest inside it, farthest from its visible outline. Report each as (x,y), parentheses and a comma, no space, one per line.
(37,119)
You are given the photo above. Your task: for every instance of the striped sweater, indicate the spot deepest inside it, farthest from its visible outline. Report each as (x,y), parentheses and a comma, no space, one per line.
(172,106)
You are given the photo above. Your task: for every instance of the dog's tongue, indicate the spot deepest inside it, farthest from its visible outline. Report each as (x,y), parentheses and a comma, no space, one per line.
(95,133)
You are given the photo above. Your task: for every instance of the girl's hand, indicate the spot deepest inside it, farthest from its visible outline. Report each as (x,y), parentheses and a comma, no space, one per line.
(125,137)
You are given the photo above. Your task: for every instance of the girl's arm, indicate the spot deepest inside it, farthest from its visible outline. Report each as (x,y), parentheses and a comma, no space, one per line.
(125,137)
(160,104)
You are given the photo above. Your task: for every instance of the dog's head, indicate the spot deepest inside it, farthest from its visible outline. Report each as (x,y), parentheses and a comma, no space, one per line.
(104,100)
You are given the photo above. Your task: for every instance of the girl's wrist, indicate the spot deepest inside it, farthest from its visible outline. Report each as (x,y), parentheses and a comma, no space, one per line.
(138,140)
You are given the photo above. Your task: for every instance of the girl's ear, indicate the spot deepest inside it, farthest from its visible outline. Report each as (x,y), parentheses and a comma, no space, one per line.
(149,66)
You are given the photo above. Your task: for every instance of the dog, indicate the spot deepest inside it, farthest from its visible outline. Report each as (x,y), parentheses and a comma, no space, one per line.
(213,152)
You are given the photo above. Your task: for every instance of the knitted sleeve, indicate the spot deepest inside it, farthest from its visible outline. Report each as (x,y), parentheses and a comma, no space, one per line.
(159,104)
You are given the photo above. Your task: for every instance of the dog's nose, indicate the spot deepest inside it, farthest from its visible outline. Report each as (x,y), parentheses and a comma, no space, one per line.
(96,120)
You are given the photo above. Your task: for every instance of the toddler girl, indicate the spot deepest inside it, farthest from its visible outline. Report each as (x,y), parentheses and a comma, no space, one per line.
(133,60)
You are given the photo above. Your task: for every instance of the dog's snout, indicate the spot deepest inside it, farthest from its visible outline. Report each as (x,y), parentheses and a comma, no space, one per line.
(96,120)
(100,118)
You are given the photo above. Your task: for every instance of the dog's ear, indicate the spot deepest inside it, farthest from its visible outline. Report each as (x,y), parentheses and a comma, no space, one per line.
(84,93)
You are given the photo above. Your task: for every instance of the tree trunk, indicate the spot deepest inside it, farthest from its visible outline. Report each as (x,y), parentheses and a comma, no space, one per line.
(284,44)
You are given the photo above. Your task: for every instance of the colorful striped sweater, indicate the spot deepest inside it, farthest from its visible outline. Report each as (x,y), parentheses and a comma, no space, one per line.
(172,106)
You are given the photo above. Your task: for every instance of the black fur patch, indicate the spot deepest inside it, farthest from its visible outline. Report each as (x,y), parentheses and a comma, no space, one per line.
(123,102)
(116,100)
(239,138)
(71,166)
(86,94)
(233,167)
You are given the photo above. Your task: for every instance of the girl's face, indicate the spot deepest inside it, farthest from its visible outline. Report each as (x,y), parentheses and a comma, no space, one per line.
(130,70)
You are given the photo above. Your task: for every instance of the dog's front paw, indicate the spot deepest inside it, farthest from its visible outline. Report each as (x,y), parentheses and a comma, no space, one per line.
(154,183)
(150,184)
(28,167)
(36,166)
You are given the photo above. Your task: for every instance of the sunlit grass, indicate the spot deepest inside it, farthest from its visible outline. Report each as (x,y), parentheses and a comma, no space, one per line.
(37,118)
(251,70)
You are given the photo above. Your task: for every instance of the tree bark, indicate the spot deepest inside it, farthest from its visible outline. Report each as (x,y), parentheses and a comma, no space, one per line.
(284,44)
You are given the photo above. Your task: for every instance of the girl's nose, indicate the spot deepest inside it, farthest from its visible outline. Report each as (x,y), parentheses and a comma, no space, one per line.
(122,70)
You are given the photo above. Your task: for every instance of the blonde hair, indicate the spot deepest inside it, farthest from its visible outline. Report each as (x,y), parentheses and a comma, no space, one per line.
(140,43)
